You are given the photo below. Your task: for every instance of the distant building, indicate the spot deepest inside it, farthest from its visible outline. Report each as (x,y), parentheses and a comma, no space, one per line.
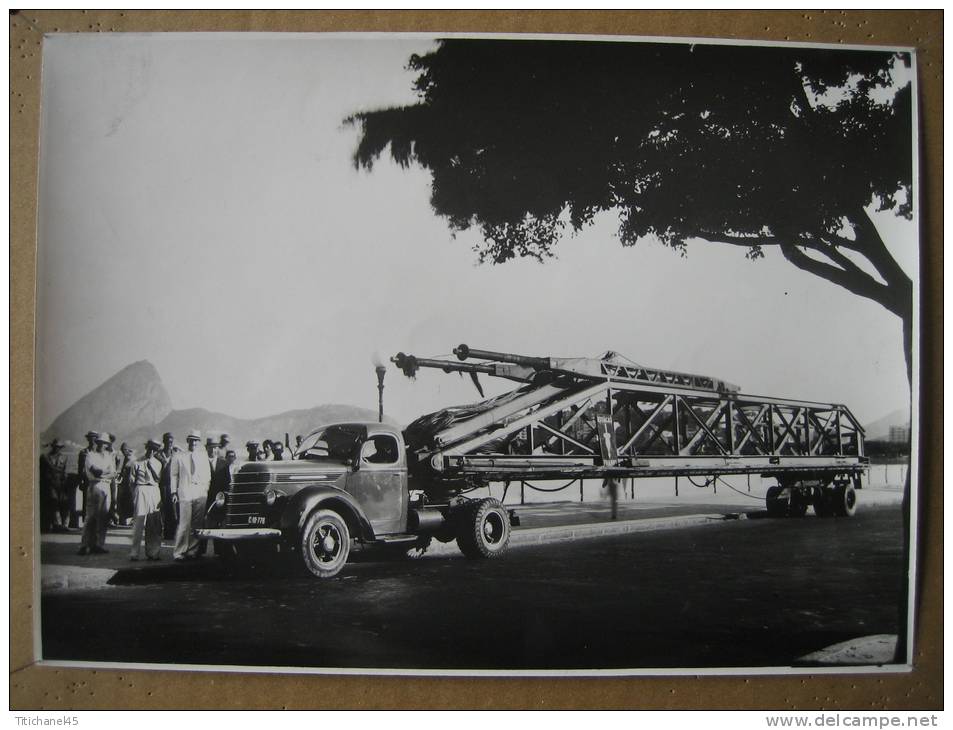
(899,434)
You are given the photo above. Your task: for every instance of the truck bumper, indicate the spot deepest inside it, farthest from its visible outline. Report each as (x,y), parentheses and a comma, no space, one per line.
(239,533)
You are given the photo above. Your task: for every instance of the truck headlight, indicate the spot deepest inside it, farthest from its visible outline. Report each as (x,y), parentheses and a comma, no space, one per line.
(220,500)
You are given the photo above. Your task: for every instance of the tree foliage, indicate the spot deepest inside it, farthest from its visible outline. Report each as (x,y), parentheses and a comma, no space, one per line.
(744,145)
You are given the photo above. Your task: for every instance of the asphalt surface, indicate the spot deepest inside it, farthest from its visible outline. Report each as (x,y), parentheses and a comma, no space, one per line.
(749,592)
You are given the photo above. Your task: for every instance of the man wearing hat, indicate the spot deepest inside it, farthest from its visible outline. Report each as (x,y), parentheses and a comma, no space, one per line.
(252,447)
(124,508)
(216,464)
(78,497)
(146,496)
(169,513)
(100,471)
(54,513)
(189,479)
(211,449)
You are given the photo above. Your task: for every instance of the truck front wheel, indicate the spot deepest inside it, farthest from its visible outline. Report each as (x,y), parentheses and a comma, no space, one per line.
(325,544)
(484,530)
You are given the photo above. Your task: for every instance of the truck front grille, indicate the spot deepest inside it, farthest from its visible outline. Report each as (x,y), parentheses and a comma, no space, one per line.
(245,498)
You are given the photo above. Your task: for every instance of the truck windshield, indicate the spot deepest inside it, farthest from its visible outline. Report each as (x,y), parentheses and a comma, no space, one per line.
(335,443)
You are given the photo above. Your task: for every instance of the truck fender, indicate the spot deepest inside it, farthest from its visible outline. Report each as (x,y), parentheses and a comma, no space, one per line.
(304,502)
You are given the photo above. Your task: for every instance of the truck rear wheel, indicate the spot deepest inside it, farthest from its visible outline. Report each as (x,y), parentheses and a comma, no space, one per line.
(484,530)
(325,543)
(844,500)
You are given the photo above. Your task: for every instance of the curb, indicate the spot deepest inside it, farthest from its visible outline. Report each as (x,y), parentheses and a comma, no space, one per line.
(67,577)
(864,650)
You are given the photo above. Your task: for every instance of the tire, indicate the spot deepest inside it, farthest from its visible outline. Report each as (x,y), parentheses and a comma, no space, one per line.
(844,500)
(775,505)
(325,544)
(484,530)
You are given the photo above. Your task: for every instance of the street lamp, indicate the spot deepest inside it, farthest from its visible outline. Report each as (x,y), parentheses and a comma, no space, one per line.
(380,370)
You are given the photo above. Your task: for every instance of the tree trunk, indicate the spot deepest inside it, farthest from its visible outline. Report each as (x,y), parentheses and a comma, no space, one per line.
(900,654)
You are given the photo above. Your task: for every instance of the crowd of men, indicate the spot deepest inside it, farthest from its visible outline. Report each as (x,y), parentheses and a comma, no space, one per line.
(162,494)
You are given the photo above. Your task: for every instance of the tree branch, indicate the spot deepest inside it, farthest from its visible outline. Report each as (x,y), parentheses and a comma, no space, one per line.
(876,252)
(855,281)
(831,251)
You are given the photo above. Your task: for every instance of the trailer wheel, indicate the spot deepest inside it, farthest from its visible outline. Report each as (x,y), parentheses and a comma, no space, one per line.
(775,505)
(844,500)
(484,530)
(325,544)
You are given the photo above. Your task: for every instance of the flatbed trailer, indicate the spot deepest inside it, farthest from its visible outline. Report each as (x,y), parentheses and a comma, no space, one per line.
(607,418)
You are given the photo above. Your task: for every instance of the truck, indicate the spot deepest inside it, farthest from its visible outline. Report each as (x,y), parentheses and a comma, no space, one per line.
(605,418)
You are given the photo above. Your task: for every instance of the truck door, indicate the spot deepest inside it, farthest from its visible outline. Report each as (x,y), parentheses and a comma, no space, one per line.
(380,483)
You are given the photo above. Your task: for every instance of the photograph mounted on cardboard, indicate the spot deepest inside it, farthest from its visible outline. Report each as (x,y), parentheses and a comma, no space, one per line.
(475,354)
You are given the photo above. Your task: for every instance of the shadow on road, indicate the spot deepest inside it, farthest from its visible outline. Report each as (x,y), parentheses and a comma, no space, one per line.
(265,569)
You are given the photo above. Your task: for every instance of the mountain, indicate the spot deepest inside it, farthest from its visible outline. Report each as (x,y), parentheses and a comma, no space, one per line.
(131,399)
(879,430)
(134,405)
(296,422)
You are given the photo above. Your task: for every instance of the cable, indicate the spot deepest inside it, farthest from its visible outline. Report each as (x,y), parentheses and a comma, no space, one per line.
(743,494)
(557,489)
(725,484)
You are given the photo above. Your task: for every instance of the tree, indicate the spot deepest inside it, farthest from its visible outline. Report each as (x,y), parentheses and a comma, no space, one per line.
(749,146)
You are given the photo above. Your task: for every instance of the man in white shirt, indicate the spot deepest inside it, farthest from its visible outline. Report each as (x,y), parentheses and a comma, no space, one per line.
(146,499)
(190,477)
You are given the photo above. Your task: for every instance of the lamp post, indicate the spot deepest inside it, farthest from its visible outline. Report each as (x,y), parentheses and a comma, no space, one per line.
(380,370)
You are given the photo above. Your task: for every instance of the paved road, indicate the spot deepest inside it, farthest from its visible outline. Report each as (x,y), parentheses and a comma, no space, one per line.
(756,592)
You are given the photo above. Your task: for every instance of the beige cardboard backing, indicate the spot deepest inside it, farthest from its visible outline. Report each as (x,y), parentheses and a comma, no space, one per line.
(36,687)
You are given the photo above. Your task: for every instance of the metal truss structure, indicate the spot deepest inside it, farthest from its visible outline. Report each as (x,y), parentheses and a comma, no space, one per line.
(660,423)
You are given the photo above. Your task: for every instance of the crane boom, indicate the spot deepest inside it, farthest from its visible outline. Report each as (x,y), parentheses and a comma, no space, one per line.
(610,365)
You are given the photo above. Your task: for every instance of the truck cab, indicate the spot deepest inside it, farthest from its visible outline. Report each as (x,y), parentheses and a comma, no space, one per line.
(347,482)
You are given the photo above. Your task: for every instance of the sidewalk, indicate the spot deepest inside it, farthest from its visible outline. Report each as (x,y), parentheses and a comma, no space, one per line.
(63,569)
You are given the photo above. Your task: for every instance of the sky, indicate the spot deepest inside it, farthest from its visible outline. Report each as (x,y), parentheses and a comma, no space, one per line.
(199,209)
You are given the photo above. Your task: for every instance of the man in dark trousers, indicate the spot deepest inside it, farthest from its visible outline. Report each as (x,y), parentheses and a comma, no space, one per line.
(170,517)
(53,499)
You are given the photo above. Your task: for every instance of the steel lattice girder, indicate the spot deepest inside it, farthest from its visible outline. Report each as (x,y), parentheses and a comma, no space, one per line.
(654,422)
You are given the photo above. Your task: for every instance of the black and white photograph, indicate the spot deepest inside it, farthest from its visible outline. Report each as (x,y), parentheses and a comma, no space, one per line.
(476,354)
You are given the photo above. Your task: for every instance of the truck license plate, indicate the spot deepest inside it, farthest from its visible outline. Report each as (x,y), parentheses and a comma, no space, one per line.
(256,520)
